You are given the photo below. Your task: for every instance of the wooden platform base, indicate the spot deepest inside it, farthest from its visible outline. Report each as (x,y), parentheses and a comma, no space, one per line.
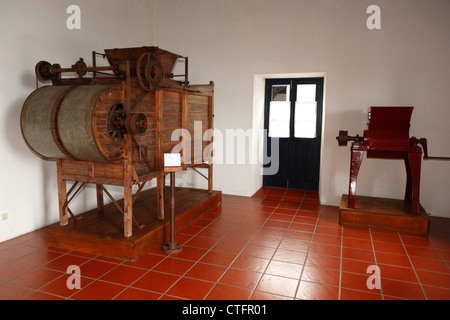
(381,213)
(101,232)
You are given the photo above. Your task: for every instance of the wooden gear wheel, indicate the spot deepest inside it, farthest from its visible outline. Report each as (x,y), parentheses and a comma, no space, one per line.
(149,72)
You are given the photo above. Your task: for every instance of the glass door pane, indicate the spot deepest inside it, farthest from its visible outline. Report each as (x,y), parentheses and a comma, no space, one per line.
(279,119)
(305,117)
(280,111)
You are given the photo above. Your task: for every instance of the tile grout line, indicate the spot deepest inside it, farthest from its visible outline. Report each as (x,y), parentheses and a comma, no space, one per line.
(242,250)
(307,252)
(210,249)
(376,263)
(412,265)
(145,273)
(277,247)
(340,262)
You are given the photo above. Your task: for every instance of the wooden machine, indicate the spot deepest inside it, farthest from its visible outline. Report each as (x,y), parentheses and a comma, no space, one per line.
(112,125)
(387,137)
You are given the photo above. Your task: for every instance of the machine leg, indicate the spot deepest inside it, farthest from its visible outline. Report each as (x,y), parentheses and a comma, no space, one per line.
(100,203)
(355,164)
(172,246)
(160,195)
(127,199)
(408,191)
(210,178)
(415,163)
(62,196)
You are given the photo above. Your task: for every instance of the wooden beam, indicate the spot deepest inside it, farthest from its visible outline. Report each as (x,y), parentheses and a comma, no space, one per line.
(159,155)
(127,164)
(62,195)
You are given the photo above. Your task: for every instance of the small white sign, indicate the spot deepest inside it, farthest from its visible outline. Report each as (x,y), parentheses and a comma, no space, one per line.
(172,159)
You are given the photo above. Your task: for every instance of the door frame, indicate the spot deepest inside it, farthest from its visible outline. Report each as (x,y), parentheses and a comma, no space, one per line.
(259,81)
(291,140)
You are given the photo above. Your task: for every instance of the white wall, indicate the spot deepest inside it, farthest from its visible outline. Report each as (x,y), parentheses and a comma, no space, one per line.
(231,42)
(36,30)
(404,63)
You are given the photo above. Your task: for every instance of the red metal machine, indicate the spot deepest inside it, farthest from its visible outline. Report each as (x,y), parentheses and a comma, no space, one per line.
(388,138)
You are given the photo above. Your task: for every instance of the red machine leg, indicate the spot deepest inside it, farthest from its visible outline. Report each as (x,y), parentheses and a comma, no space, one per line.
(408,191)
(414,159)
(357,153)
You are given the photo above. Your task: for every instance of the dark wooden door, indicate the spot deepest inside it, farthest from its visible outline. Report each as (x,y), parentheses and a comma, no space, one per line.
(293,114)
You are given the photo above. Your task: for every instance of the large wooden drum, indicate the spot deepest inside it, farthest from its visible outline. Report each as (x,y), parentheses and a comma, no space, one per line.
(72,122)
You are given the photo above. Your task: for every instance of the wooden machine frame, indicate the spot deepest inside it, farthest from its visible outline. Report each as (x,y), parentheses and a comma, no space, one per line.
(129,169)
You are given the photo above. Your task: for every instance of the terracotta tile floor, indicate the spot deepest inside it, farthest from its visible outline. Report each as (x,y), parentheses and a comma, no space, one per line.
(279,244)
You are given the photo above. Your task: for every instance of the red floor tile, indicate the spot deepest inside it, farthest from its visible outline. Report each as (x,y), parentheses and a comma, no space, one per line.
(355,266)
(359,282)
(225,292)
(174,266)
(393,259)
(218,258)
(190,253)
(229,247)
(190,289)
(36,278)
(357,243)
(434,293)
(148,261)
(258,295)
(379,236)
(401,289)
(277,285)
(137,294)
(10,292)
(155,281)
(358,254)
(294,244)
(59,286)
(96,268)
(259,251)
(326,239)
(40,257)
(16,252)
(430,264)
(421,252)
(316,291)
(292,256)
(124,275)
(37,295)
(435,279)
(250,263)
(12,270)
(398,273)
(277,245)
(98,290)
(348,294)
(389,247)
(63,262)
(284,269)
(204,271)
(201,242)
(327,249)
(320,275)
(266,240)
(241,278)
